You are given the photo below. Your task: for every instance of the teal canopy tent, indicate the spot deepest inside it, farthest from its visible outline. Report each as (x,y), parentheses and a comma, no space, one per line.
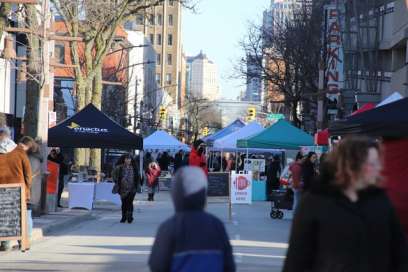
(281,135)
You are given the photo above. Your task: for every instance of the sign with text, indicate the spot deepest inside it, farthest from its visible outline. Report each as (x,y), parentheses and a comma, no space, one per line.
(241,188)
(334,52)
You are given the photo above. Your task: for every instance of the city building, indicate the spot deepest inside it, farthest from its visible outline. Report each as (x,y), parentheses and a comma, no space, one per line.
(254,85)
(161,25)
(375,46)
(203,74)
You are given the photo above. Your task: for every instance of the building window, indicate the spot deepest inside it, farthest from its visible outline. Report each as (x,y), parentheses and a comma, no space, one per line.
(171,2)
(168,79)
(159,39)
(159,19)
(59,53)
(171,20)
(170,40)
(158,79)
(152,39)
(151,19)
(169,59)
(158,59)
(140,19)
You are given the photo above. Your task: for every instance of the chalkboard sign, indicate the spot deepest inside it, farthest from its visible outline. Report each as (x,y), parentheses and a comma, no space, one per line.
(218,184)
(13,212)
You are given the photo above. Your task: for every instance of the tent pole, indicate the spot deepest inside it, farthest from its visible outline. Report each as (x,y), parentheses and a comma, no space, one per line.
(222,158)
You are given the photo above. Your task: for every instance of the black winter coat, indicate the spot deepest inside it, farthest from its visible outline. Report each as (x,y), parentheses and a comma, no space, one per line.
(332,234)
(308,175)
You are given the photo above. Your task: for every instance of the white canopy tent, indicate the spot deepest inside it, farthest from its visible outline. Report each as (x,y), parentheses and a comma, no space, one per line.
(392,98)
(229,142)
(161,140)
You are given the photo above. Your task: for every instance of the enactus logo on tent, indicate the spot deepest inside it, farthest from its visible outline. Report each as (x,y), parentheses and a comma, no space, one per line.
(77,128)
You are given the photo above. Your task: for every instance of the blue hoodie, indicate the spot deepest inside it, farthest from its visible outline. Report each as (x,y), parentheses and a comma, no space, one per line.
(192,239)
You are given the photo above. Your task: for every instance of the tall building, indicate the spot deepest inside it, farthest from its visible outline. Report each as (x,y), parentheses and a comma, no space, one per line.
(280,12)
(204,78)
(254,85)
(161,25)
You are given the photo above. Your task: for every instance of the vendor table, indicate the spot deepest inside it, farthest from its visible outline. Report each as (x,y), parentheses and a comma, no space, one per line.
(103,191)
(81,195)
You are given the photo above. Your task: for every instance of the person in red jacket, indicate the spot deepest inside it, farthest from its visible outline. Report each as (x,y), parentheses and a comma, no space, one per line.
(197,156)
(153,173)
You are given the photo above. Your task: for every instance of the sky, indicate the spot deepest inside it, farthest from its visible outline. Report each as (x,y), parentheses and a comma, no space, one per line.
(216,28)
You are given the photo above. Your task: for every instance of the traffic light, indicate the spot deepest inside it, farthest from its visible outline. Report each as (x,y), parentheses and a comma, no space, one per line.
(251,114)
(205,131)
(162,113)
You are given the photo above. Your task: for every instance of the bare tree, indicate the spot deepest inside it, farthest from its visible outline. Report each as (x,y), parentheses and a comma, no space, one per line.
(287,56)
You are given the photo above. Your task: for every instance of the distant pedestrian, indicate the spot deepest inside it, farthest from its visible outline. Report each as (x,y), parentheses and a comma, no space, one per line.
(186,158)
(164,161)
(309,171)
(126,175)
(347,223)
(273,172)
(178,160)
(153,173)
(295,178)
(230,163)
(192,239)
(36,160)
(147,160)
(197,156)
(57,157)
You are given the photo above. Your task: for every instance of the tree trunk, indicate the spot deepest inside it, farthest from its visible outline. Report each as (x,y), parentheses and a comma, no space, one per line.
(79,153)
(95,155)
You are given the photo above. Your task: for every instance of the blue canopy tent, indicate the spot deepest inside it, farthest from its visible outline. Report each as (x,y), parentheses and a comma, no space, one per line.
(91,128)
(234,126)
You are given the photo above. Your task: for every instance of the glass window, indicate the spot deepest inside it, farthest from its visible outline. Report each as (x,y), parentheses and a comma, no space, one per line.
(140,19)
(170,39)
(158,59)
(151,19)
(169,59)
(152,39)
(159,19)
(171,20)
(159,39)
(168,79)
(158,78)
(59,53)
(171,2)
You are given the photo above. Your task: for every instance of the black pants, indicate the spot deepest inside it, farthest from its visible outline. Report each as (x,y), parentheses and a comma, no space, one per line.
(60,188)
(127,205)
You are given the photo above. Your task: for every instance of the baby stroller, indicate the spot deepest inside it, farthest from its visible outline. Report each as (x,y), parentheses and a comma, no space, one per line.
(281,200)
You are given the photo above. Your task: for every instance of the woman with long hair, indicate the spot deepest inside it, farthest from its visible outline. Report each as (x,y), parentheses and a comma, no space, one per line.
(346,222)
(127,177)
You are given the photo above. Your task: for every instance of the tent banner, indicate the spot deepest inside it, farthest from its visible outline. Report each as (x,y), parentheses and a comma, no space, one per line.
(241,188)
(52,179)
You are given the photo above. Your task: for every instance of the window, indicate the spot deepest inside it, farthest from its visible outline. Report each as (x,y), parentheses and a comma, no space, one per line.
(169,59)
(158,59)
(140,19)
(158,79)
(159,39)
(168,79)
(152,39)
(171,2)
(171,20)
(170,40)
(151,19)
(159,19)
(59,53)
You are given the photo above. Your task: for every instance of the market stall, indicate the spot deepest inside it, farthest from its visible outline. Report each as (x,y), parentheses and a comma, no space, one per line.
(390,123)
(234,126)
(162,141)
(91,128)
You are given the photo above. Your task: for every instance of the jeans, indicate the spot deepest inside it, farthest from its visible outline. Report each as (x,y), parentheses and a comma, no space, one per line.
(296,198)
(127,205)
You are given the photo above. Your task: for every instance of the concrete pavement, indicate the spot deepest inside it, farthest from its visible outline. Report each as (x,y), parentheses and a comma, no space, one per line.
(103,244)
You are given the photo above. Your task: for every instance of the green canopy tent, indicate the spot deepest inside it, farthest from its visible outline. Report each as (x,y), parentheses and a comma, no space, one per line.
(281,135)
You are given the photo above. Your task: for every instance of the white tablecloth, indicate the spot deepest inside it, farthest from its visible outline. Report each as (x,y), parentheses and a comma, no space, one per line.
(103,191)
(81,195)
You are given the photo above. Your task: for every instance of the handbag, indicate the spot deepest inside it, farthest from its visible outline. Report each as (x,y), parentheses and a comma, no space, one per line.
(115,189)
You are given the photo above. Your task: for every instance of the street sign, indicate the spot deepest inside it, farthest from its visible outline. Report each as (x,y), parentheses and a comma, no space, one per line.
(275,116)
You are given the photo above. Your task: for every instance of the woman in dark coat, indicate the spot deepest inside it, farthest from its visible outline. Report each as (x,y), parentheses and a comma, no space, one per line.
(346,223)
(309,171)
(127,176)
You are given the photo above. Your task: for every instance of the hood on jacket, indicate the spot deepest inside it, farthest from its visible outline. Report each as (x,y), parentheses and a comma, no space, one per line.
(6,146)
(190,189)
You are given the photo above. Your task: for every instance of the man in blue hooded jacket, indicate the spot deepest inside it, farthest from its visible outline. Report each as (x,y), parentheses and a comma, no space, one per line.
(192,239)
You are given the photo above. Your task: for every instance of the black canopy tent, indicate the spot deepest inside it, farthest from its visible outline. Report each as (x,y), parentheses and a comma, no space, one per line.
(390,120)
(91,128)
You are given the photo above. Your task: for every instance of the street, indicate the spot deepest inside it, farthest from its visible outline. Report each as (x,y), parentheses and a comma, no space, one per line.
(103,244)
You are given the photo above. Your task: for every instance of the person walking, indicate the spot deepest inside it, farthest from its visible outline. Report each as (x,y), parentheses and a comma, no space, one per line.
(192,239)
(197,156)
(295,178)
(346,222)
(15,168)
(164,161)
(153,173)
(273,172)
(178,160)
(127,177)
(309,171)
